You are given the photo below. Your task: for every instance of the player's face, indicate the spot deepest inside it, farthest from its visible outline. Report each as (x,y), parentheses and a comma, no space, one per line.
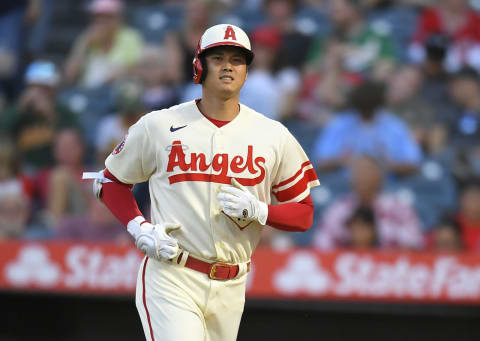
(227,71)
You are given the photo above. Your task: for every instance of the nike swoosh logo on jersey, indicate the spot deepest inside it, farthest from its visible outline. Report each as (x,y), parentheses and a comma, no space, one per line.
(172,129)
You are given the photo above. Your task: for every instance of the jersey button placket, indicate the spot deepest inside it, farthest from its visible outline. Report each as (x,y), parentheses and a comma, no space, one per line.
(218,148)
(215,210)
(219,141)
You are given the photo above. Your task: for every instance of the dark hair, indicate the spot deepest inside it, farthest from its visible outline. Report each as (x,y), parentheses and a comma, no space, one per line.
(367,97)
(204,67)
(362,213)
(470,183)
(467,72)
(449,219)
(436,46)
(367,215)
(450,222)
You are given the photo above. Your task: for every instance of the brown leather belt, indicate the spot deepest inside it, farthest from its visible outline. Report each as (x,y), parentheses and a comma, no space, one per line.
(213,270)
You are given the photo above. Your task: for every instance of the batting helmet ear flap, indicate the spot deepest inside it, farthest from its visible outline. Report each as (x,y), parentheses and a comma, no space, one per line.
(197,70)
(197,66)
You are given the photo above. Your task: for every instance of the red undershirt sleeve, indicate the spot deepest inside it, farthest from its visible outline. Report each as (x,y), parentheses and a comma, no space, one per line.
(292,217)
(119,199)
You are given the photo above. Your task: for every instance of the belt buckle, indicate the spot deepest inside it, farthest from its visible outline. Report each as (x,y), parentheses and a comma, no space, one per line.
(213,270)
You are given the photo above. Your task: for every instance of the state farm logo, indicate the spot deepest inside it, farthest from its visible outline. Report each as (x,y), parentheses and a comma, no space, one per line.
(196,167)
(92,268)
(79,267)
(362,275)
(33,266)
(302,273)
(405,278)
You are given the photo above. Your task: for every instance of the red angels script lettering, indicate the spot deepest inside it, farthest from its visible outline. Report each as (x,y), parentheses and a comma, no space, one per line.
(202,164)
(220,166)
(236,162)
(177,157)
(197,169)
(229,33)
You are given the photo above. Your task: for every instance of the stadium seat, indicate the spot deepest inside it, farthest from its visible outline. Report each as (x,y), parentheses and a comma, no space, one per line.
(400,22)
(153,21)
(90,105)
(305,132)
(242,17)
(312,22)
(432,192)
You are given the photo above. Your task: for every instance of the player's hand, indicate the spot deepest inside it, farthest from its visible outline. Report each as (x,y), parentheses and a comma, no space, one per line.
(154,240)
(238,202)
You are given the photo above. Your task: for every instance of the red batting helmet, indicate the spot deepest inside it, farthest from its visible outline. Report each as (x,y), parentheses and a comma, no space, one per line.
(220,35)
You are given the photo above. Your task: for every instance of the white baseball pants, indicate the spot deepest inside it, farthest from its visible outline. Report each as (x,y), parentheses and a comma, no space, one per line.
(180,304)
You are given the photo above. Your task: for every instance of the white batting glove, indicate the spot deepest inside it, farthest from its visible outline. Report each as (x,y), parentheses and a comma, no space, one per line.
(154,240)
(238,202)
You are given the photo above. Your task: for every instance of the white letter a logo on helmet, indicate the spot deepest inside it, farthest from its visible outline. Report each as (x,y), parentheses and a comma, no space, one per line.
(230,33)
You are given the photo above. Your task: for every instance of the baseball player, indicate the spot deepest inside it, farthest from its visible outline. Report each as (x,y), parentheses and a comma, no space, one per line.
(218,173)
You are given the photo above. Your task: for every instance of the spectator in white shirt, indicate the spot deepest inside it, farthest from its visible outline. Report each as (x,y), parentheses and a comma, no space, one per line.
(397,223)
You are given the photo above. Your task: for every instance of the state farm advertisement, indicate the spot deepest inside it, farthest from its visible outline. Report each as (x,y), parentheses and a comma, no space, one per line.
(69,267)
(297,274)
(415,277)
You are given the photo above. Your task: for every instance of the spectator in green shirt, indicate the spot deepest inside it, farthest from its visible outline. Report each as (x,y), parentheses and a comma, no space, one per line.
(35,119)
(365,49)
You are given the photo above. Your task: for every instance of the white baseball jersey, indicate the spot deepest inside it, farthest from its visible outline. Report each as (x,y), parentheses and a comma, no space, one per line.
(186,158)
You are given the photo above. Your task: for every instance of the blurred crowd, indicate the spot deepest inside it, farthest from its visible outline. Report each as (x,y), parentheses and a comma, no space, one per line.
(384,96)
